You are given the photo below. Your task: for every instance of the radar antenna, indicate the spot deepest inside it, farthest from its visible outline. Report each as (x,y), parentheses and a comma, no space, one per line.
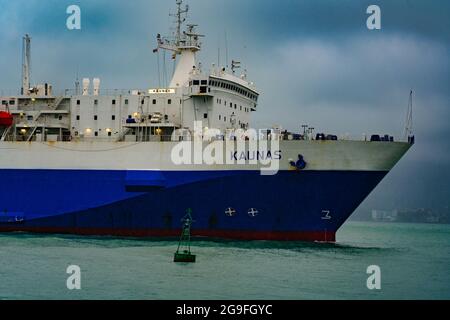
(235,65)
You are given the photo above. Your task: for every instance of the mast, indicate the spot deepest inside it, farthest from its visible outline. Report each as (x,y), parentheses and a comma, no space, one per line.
(185,44)
(409,119)
(26,64)
(180,19)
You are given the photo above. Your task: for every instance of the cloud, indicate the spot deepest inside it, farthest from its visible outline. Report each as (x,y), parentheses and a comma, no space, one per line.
(359,85)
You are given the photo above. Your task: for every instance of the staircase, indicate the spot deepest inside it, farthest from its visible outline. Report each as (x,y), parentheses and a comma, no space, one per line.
(122,135)
(29,136)
(57,103)
(5,133)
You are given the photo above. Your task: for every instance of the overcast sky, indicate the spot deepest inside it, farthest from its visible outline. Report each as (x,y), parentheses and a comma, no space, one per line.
(314,62)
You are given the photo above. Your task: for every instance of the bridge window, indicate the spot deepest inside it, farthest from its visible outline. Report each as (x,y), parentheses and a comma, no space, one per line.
(204,82)
(196,82)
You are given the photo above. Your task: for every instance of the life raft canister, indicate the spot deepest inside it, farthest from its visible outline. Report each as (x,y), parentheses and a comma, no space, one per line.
(6,119)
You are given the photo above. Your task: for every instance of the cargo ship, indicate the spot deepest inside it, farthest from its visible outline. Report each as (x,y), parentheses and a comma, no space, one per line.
(132,162)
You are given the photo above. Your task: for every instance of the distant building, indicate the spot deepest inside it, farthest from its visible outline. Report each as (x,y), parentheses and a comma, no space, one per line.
(418,215)
(384,215)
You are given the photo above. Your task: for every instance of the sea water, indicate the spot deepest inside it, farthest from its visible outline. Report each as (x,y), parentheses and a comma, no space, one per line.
(414,262)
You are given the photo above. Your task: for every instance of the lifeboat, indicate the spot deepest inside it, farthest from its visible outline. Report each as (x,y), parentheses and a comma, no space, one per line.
(6,119)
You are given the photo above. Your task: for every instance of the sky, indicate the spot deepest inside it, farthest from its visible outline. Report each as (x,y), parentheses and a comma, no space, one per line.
(314,62)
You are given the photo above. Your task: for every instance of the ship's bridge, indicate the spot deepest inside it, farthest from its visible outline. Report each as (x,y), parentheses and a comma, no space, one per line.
(235,85)
(202,85)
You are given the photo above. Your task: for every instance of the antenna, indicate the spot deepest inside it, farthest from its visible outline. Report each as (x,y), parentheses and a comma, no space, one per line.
(219,49)
(180,19)
(409,120)
(77,84)
(26,64)
(226,49)
(218,57)
(187,40)
(235,65)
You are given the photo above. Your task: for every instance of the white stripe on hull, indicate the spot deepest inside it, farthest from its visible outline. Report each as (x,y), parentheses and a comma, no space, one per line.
(319,155)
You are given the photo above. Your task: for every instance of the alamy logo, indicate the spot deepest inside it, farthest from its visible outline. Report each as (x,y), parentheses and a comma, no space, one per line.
(204,148)
(374,279)
(374,20)
(74,280)
(74,20)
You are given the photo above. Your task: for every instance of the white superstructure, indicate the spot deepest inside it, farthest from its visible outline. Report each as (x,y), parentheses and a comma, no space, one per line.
(218,98)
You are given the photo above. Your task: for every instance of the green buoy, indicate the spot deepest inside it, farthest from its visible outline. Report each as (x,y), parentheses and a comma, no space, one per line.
(183,253)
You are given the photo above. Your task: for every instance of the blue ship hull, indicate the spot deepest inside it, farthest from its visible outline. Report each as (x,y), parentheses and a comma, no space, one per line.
(303,205)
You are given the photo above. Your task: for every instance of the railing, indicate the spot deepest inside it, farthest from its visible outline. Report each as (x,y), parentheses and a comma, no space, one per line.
(7,136)
(103,92)
(72,92)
